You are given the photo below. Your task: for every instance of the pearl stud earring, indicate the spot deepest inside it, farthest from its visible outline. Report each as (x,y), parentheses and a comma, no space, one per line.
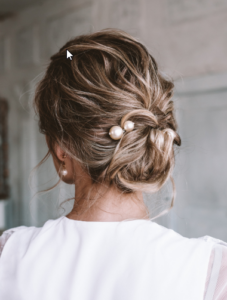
(64,171)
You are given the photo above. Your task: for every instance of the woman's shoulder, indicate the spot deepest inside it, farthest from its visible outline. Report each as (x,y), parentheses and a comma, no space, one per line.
(173,234)
(4,238)
(25,234)
(216,282)
(24,230)
(215,241)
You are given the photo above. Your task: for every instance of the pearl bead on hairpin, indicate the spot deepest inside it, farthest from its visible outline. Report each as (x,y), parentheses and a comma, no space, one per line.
(128,126)
(116,132)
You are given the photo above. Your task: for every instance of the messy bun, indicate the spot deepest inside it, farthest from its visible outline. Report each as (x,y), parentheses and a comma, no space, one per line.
(112,78)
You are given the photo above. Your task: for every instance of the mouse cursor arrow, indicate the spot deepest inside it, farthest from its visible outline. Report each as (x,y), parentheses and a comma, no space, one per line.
(69,55)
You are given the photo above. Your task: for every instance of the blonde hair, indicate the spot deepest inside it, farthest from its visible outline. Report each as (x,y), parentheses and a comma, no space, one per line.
(111,78)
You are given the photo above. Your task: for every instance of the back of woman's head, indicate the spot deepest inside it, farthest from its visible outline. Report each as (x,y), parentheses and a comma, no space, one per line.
(111,76)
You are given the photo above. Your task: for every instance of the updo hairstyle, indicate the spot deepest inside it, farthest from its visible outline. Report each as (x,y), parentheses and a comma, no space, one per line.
(111,78)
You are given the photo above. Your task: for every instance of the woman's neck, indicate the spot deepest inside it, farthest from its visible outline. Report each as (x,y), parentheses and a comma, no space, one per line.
(114,206)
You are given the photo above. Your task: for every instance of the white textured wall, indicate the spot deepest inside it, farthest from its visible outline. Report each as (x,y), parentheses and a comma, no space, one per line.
(188,39)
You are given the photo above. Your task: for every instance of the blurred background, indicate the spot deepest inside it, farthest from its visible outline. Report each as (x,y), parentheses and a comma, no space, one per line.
(188,38)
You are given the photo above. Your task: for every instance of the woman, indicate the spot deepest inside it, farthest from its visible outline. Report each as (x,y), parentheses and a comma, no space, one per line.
(108,118)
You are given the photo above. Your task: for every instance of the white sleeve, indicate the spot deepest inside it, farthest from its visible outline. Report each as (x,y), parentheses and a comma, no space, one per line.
(216,283)
(4,238)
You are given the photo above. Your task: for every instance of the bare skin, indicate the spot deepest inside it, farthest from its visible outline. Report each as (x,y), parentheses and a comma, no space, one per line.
(111,207)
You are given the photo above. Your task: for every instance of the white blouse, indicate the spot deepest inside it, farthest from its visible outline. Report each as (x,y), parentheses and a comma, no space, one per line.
(216,278)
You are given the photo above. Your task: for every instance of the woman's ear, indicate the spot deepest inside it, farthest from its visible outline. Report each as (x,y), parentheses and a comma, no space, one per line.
(58,155)
(59,152)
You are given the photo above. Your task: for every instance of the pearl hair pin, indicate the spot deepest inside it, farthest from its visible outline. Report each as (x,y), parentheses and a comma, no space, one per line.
(116,132)
(128,126)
